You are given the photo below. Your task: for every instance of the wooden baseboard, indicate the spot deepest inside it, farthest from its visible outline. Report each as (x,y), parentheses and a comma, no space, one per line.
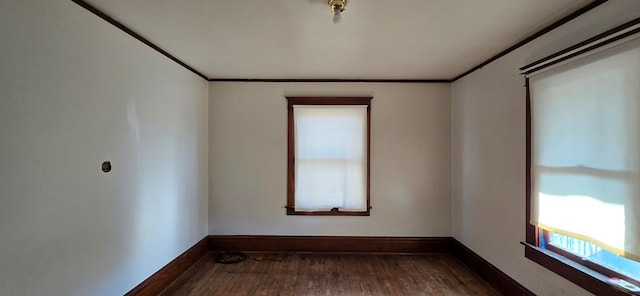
(337,244)
(170,272)
(494,276)
(157,282)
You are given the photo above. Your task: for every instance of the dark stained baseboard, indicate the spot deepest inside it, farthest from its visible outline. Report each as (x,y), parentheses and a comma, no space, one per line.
(356,244)
(170,272)
(494,276)
(337,244)
(157,282)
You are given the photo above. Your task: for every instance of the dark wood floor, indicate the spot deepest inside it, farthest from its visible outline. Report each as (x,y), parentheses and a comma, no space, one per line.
(331,274)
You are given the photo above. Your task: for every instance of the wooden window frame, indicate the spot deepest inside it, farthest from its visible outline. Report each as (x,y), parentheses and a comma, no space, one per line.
(589,264)
(584,273)
(337,101)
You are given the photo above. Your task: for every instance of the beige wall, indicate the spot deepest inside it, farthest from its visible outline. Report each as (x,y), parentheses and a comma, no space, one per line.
(410,160)
(488,151)
(76,91)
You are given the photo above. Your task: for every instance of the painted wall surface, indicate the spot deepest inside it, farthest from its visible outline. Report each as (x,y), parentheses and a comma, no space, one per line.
(488,151)
(410,160)
(74,92)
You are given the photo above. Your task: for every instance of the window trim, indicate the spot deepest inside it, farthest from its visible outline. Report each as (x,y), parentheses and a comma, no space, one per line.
(584,273)
(363,101)
(573,271)
(573,268)
(587,263)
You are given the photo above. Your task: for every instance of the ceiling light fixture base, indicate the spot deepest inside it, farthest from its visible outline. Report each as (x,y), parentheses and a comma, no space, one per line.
(337,7)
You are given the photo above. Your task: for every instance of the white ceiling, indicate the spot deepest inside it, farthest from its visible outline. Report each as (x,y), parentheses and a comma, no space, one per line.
(296,39)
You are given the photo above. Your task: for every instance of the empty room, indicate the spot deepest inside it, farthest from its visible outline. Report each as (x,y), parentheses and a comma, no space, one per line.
(319,147)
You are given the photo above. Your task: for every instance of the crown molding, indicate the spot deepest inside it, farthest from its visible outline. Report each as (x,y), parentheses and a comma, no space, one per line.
(523,42)
(332,80)
(135,35)
(534,36)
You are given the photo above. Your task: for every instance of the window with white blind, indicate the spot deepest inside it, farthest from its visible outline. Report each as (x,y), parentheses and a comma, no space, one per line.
(328,158)
(584,160)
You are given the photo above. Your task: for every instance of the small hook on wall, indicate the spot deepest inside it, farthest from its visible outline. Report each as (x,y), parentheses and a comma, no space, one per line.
(106,166)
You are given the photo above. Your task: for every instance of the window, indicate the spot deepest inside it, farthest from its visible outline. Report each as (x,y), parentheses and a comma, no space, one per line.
(328,156)
(583,162)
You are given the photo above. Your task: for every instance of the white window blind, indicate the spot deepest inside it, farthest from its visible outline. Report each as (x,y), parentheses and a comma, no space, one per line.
(586,149)
(330,157)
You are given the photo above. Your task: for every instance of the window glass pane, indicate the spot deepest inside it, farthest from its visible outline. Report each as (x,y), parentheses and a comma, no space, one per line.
(330,132)
(330,157)
(596,254)
(585,165)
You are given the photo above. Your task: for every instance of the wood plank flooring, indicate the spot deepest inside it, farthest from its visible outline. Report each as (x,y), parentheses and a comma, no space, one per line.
(331,274)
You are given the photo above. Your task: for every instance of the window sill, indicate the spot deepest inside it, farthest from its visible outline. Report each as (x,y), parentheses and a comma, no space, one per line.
(580,275)
(332,212)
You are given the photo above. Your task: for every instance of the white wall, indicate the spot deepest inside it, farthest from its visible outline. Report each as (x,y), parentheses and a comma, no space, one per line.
(410,160)
(488,156)
(75,91)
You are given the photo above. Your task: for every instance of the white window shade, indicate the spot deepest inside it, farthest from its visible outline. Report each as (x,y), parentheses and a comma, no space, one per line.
(330,157)
(586,149)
